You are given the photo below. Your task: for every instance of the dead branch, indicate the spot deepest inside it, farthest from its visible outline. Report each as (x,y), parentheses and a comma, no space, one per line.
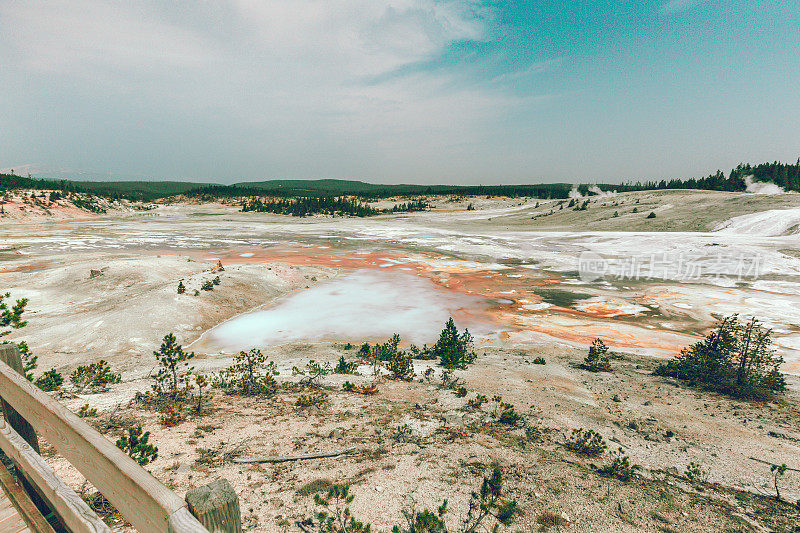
(771,464)
(284,458)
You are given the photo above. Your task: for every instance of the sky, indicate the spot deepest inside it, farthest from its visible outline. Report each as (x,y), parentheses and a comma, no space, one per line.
(390,91)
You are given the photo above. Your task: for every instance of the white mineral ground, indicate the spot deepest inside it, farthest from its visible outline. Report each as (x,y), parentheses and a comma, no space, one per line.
(508,271)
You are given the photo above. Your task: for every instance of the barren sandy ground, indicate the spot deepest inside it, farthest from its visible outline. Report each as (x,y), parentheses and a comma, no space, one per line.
(532,303)
(31,206)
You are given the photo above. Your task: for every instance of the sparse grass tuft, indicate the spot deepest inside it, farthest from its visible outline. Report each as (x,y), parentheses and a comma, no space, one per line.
(549,520)
(315,487)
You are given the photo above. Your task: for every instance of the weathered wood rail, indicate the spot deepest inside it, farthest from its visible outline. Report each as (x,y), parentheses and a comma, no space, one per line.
(144,501)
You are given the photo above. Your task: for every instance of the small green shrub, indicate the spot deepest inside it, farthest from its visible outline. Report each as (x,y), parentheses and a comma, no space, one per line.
(461,392)
(486,503)
(508,415)
(477,401)
(345,367)
(216,281)
(366,390)
(425,521)
(313,373)
(51,380)
(250,374)
(401,367)
(135,444)
(312,399)
(11,317)
(315,487)
(207,285)
(94,375)
(696,472)
(29,361)
(335,515)
(651,215)
(423,353)
(449,381)
(620,466)
(181,287)
(586,442)
(87,412)
(539,361)
(403,434)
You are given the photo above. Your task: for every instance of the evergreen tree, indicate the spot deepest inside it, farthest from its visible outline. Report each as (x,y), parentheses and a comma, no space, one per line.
(597,359)
(250,374)
(172,378)
(51,380)
(136,445)
(735,358)
(454,350)
(11,317)
(29,361)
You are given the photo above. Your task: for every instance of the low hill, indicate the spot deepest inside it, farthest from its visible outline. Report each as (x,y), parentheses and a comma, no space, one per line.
(131,190)
(779,176)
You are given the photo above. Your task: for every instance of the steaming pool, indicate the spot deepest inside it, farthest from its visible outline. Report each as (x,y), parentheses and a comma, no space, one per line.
(363,305)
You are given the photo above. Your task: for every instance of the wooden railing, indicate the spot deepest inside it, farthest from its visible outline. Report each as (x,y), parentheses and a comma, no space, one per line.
(144,501)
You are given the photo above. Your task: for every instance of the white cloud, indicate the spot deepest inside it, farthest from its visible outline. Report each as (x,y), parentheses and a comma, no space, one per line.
(352,39)
(89,36)
(282,78)
(349,37)
(280,48)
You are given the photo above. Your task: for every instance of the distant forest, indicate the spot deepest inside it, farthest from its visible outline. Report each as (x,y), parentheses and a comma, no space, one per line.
(143,191)
(302,206)
(784,175)
(371,191)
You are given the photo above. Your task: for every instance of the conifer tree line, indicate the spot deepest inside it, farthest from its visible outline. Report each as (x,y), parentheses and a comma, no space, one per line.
(328,192)
(301,207)
(786,176)
(305,206)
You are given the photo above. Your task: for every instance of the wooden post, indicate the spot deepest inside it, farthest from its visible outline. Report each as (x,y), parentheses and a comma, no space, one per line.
(9,354)
(216,506)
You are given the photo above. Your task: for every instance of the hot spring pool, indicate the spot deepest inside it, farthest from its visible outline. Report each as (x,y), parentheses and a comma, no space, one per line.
(364,305)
